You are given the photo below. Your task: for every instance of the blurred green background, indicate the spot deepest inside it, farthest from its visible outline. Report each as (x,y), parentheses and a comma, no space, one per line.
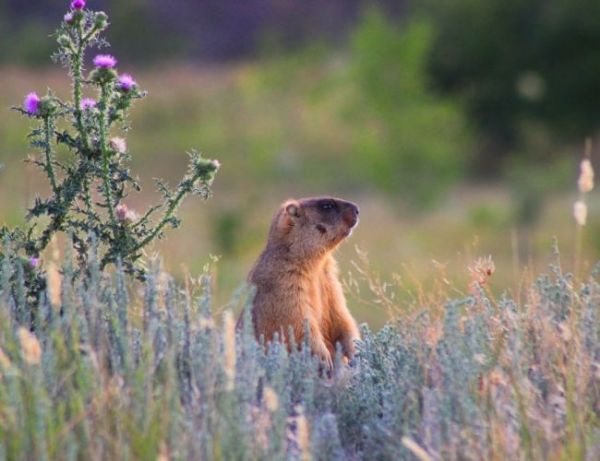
(457,126)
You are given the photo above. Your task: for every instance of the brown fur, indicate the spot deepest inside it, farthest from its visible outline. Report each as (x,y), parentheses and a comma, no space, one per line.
(296,277)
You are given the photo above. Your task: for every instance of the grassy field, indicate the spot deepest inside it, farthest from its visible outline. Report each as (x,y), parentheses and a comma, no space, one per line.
(119,370)
(279,135)
(479,337)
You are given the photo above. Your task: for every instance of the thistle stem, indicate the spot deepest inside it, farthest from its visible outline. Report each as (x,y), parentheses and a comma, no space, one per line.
(173,204)
(48,131)
(77,78)
(105,153)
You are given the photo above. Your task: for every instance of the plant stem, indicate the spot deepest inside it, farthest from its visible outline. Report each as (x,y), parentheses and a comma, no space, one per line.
(77,72)
(173,204)
(105,153)
(48,131)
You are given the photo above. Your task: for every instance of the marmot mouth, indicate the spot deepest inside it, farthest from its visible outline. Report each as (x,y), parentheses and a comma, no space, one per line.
(348,232)
(352,223)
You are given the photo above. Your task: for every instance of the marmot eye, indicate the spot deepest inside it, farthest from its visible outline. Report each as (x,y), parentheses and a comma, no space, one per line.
(327,206)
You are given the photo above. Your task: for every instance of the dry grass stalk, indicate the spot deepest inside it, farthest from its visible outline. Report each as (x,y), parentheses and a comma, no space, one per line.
(30,346)
(53,279)
(415,449)
(229,349)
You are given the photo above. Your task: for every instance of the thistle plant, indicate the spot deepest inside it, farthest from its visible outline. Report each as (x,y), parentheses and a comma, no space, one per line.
(90,185)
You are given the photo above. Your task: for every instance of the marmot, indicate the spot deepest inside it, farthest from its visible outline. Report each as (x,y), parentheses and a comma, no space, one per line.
(296,277)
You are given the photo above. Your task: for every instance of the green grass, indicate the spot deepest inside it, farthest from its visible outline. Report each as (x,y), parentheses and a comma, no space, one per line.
(280,134)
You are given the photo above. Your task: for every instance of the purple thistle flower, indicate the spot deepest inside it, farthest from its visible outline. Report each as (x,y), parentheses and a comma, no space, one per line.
(32,103)
(34,261)
(87,103)
(78,4)
(68,18)
(126,82)
(105,61)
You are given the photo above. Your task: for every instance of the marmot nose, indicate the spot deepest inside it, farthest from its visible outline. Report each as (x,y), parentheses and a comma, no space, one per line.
(351,214)
(354,208)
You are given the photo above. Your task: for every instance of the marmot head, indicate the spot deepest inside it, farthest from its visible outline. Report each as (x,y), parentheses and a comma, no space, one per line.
(311,227)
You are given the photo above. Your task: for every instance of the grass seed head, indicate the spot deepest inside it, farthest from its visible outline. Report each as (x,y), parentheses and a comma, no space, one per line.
(586,176)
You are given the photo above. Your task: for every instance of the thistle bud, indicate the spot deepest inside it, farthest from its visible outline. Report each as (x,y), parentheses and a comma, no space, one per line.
(69,18)
(77,16)
(125,215)
(100,20)
(48,106)
(118,145)
(103,75)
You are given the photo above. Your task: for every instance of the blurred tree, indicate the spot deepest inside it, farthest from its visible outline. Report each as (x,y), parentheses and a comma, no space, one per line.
(410,140)
(516,60)
(213,29)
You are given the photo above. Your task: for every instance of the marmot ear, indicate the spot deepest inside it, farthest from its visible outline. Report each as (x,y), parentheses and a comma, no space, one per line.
(293,209)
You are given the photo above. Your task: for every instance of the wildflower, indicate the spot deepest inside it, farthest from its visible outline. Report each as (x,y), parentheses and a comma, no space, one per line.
(118,145)
(125,215)
(580,212)
(34,261)
(78,4)
(69,18)
(586,176)
(126,82)
(32,103)
(30,346)
(53,281)
(87,103)
(229,349)
(105,61)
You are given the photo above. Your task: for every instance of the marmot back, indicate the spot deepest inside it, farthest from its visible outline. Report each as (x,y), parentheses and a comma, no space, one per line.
(296,276)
